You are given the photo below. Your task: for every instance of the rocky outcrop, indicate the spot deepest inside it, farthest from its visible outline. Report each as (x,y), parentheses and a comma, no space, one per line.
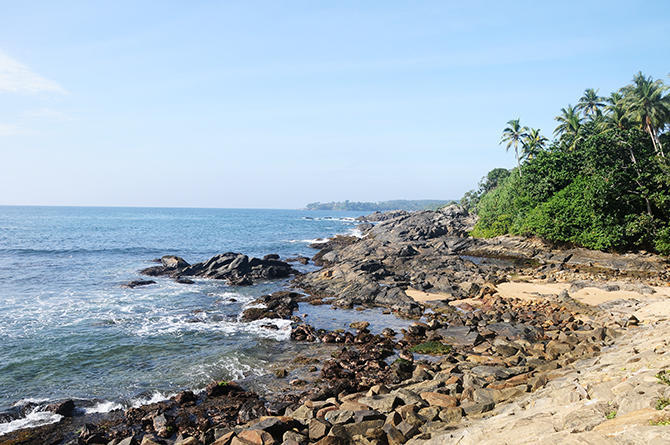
(236,268)
(276,305)
(432,251)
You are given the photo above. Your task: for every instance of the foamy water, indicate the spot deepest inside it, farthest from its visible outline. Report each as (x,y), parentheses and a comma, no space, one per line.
(70,330)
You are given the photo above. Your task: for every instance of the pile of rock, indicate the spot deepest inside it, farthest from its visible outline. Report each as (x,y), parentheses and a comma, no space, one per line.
(236,268)
(431,251)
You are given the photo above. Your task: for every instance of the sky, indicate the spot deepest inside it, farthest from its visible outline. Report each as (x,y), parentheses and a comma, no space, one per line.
(275,104)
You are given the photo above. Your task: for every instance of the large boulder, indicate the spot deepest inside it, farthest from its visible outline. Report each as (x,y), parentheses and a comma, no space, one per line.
(236,268)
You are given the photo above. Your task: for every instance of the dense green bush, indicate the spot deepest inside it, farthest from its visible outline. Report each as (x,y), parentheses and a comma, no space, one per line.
(593,196)
(604,183)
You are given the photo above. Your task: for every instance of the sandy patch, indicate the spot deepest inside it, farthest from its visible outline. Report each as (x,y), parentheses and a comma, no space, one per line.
(423,297)
(538,290)
(589,295)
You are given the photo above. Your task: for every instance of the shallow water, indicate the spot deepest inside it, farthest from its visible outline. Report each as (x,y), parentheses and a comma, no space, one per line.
(68,328)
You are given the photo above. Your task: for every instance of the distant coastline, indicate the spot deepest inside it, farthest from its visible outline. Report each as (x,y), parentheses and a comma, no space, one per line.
(381,206)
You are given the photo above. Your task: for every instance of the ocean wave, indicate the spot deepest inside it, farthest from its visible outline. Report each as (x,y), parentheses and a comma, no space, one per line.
(33,419)
(355,231)
(309,241)
(103,407)
(180,324)
(347,219)
(155,398)
(29,401)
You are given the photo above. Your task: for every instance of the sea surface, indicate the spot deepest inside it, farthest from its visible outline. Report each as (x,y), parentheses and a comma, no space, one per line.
(68,329)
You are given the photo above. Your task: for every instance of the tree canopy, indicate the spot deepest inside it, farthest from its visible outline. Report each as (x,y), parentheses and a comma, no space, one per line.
(602,183)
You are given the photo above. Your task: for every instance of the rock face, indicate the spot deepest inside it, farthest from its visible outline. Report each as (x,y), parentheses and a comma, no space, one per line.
(276,305)
(236,268)
(137,283)
(431,251)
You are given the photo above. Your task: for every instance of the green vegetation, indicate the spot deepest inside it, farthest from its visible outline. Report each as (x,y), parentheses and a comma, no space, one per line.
(603,183)
(662,403)
(381,206)
(611,414)
(664,377)
(432,348)
(223,383)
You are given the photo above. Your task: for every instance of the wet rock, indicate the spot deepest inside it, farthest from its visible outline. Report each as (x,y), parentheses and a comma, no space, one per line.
(185,397)
(173,262)
(359,325)
(236,268)
(221,388)
(276,305)
(137,283)
(298,259)
(65,408)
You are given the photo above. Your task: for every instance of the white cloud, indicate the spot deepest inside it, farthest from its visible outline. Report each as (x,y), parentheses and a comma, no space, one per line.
(16,77)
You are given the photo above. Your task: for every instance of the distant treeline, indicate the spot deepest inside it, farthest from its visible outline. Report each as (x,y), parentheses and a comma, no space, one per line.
(396,204)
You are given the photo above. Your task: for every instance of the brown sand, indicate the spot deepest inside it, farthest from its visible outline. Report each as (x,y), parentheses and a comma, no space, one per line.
(539,289)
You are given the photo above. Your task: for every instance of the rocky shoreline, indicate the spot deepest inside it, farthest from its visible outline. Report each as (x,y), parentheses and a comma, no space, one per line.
(470,353)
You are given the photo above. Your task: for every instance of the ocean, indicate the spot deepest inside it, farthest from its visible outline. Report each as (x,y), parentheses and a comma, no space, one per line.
(68,329)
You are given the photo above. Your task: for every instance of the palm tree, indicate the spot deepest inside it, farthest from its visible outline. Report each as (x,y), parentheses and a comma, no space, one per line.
(513,134)
(590,103)
(648,106)
(533,143)
(616,114)
(569,124)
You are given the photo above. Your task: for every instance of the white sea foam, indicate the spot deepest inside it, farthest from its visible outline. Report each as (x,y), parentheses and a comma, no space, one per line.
(309,241)
(155,398)
(33,419)
(330,218)
(355,231)
(103,407)
(179,324)
(29,401)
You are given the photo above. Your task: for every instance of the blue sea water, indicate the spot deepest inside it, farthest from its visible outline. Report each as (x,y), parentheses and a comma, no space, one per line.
(69,329)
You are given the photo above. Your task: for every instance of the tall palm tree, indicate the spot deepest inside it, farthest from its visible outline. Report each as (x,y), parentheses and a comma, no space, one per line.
(590,103)
(533,143)
(513,134)
(648,106)
(616,113)
(569,124)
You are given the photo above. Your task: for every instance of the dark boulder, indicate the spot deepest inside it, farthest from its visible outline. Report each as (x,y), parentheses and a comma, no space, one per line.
(65,408)
(236,268)
(136,283)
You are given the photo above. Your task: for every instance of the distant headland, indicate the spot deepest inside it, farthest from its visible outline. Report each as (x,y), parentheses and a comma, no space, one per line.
(381,206)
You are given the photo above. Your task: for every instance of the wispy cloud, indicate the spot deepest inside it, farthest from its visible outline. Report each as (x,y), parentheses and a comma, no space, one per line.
(16,77)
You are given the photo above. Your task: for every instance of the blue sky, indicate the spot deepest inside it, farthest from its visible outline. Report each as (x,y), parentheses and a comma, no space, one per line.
(276,104)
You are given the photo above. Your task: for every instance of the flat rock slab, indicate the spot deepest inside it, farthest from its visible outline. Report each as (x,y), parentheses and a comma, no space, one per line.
(460,336)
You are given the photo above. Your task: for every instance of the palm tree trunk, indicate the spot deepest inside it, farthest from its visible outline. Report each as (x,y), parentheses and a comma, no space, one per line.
(654,138)
(518,162)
